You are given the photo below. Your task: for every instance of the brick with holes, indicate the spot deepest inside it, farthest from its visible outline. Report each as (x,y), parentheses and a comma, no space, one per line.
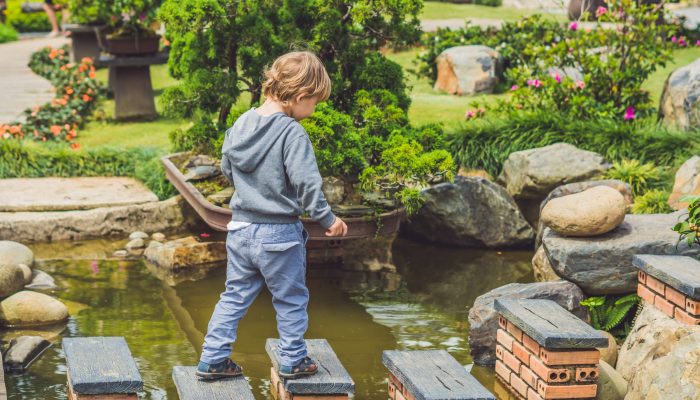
(587,374)
(566,391)
(548,374)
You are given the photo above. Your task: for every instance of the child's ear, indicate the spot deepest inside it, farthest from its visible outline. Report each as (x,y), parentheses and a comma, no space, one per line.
(299,98)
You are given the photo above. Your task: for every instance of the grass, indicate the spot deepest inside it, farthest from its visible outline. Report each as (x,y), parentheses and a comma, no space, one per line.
(440,10)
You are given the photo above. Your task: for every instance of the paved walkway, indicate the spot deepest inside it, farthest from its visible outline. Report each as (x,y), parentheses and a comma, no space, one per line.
(20,88)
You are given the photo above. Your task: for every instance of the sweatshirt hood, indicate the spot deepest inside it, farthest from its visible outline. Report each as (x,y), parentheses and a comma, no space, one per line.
(254,138)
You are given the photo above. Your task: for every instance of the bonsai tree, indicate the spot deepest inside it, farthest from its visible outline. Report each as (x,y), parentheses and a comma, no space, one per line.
(132,18)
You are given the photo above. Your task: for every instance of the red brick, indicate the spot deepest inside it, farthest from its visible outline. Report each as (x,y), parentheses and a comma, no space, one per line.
(393,380)
(566,391)
(515,332)
(587,374)
(502,322)
(521,353)
(531,344)
(533,395)
(642,277)
(512,362)
(552,375)
(503,338)
(502,371)
(692,306)
(528,376)
(518,384)
(684,317)
(392,391)
(645,293)
(664,305)
(550,357)
(499,352)
(655,285)
(675,297)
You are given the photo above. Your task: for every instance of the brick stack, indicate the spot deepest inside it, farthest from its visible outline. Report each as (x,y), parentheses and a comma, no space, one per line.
(545,352)
(671,284)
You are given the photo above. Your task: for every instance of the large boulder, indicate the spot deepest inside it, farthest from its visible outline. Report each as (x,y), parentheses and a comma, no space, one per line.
(661,358)
(572,188)
(609,354)
(483,318)
(11,280)
(471,212)
(611,385)
(687,183)
(532,174)
(679,104)
(467,70)
(603,264)
(184,253)
(577,8)
(27,308)
(13,253)
(592,212)
(541,268)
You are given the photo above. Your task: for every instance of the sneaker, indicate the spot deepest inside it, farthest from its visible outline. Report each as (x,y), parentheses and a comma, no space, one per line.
(306,367)
(224,369)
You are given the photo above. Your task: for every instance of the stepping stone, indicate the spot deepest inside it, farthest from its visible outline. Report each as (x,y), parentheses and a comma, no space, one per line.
(430,375)
(671,284)
(331,382)
(23,351)
(68,194)
(545,352)
(190,387)
(101,367)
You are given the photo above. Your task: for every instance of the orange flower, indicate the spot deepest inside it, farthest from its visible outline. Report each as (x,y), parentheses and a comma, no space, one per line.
(69,90)
(86,60)
(67,127)
(52,54)
(15,129)
(55,129)
(75,146)
(86,98)
(43,139)
(92,75)
(36,133)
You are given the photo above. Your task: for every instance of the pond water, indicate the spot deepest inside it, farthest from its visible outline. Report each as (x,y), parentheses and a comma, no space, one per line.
(421,305)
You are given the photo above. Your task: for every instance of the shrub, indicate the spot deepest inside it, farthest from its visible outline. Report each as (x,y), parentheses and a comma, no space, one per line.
(26,22)
(654,201)
(89,12)
(7,33)
(641,177)
(688,228)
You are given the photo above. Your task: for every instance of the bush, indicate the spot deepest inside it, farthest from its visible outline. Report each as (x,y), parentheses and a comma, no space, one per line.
(641,177)
(7,34)
(688,227)
(654,201)
(89,12)
(31,22)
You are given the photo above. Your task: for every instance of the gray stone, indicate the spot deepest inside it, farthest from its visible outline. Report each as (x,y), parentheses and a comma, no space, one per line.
(333,189)
(611,385)
(13,254)
(185,252)
(158,237)
(201,160)
(138,235)
(687,183)
(11,280)
(566,72)
(23,351)
(542,269)
(471,212)
(532,174)
(592,212)
(483,318)
(27,308)
(679,104)
(41,280)
(221,198)
(26,272)
(202,172)
(660,358)
(603,264)
(120,253)
(468,70)
(136,244)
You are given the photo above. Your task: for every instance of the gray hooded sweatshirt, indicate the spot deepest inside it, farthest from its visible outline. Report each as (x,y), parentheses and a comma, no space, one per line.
(270,161)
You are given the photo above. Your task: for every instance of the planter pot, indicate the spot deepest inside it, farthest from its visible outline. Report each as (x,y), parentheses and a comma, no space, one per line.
(84,41)
(132,46)
(218,217)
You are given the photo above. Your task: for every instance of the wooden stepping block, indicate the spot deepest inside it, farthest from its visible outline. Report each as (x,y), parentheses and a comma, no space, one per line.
(549,324)
(430,375)
(190,387)
(101,368)
(331,382)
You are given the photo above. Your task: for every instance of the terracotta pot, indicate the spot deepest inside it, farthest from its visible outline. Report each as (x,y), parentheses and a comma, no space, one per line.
(132,46)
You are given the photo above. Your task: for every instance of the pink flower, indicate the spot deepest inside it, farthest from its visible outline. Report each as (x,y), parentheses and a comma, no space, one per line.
(516,87)
(573,26)
(556,77)
(629,113)
(674,39)
(534,83)
(682,43)
(204,235)
(470,114)
(580,84)
(600,11)
(697,43)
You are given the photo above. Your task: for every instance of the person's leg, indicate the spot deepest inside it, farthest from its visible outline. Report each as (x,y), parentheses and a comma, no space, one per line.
(65,14)
(51,14)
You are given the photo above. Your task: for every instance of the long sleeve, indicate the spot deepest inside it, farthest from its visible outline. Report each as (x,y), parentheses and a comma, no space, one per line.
(225,162)
(301,168)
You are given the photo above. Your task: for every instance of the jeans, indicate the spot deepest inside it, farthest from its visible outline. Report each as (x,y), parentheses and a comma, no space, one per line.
(270,254)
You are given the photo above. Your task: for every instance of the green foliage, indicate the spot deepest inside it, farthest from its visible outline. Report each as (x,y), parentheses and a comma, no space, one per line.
(611,313)
(29,160)
(641,177)
(89,12)
(23,22)
(130,17)
(654,201)
(688,228)
(7,33)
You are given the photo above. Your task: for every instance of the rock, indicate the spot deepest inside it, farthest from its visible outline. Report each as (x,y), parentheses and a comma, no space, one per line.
(609,354)
(566,72)
(120,253)
(480,173)
(541,267)
(11,280)
(200,160)
(185,252)
(158,237)
(578,7)
(532,174)
(138,235)
(27,308)
(592,212)
(564,190)
(687,183)
(660,359)
(471,212)
(467,70)
(221,198)
(41,280)
(26,272)
(13,253)
(135,244)
(202,172)
(483,318)
(679,100)
(603,264)
(333,189)
(611,385)
(23,351)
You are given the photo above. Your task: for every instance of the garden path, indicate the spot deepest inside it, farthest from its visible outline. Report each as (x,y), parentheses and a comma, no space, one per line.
(20,88)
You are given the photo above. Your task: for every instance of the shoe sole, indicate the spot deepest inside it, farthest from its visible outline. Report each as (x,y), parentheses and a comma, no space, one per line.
(297,375)
(212,376)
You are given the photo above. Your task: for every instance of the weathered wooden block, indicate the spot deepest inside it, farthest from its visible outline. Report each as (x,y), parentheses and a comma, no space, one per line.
(504,339)
(566,391)
(531,344)
(675,297)
(645,293)
(190,387)
(417,372)
(679,272)
(550,375)
(122,396)
(331,378)
(684,317)
(101,365)
(502,371)
(511,361)
(587,374)
(521,353)
(575,357)
(656,285)
(664,305)
(549,324)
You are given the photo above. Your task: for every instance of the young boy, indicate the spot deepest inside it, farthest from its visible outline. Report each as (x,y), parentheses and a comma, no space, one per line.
(268,157)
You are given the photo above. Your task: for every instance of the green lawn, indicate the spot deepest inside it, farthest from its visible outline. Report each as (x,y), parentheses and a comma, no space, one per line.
(440,10)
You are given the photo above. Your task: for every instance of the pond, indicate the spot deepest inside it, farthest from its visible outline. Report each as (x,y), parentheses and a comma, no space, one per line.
(421,305)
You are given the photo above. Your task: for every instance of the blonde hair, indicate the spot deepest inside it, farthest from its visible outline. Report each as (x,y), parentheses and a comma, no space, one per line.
(297,73)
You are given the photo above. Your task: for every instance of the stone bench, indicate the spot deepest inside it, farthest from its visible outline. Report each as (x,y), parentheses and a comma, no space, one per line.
(331,382)
(430,375)
(101,368)
(671,284)
(545,352)
(190,387)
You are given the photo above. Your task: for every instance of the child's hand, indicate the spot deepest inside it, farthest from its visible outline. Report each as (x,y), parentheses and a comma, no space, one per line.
(338,228)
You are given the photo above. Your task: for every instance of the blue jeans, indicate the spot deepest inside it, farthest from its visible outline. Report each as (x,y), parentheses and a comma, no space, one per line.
(270,254)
